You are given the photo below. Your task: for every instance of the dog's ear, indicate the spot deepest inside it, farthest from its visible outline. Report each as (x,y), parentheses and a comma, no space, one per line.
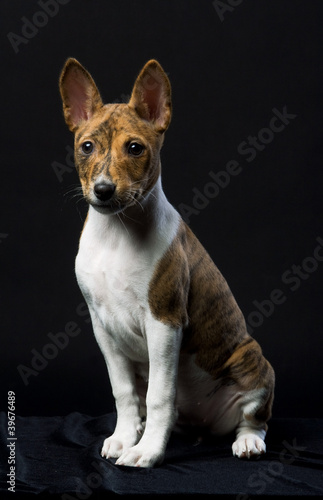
(80,95)
(151,96)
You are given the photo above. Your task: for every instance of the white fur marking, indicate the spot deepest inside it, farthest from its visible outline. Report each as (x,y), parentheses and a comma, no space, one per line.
(114,269)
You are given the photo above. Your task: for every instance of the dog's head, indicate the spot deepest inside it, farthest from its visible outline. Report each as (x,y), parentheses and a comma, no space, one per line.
(116,145)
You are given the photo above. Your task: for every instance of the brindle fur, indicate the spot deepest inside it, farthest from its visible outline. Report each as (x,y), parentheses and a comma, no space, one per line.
(188,290)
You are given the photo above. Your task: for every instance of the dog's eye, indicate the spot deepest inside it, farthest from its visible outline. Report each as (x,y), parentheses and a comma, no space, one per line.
(87,147)
(135,149)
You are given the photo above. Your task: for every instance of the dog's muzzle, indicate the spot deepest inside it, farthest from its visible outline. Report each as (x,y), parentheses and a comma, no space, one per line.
(104,191)
(104,198)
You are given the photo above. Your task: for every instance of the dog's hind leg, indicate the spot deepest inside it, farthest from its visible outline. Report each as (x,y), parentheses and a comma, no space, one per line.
(255,377)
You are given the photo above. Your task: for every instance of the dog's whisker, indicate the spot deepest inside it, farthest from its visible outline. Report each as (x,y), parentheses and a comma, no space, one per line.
(74,193)
(135,182)
(135,200)
(71,189)
(153,195)
(120,219)
(136,221)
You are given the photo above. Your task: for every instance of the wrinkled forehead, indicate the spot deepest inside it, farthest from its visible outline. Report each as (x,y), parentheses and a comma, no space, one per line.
(111,120)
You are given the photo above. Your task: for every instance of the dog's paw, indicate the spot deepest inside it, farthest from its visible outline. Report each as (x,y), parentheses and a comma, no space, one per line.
(248,445)
(140,456)
(124,437)
(114,446)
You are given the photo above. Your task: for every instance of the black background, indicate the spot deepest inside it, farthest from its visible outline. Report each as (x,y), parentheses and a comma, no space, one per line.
(227,76)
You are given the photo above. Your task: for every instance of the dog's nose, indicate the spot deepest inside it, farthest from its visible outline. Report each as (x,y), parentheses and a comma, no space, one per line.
(104,191)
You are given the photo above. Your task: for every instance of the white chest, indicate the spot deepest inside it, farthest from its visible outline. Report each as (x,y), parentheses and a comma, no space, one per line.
(114,282)
(114,270)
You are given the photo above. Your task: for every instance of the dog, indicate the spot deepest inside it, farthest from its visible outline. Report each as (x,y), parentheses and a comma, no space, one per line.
(173,337)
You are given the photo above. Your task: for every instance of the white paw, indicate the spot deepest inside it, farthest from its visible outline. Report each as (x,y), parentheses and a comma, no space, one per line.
(115,445)
(248,445)
(140,456)
(112,448)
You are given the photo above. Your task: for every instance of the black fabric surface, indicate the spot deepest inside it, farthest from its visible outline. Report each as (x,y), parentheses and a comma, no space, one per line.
(60,455)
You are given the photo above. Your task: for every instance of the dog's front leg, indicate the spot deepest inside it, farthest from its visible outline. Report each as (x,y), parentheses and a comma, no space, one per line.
(163,347)
(129,427)
(122,377)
